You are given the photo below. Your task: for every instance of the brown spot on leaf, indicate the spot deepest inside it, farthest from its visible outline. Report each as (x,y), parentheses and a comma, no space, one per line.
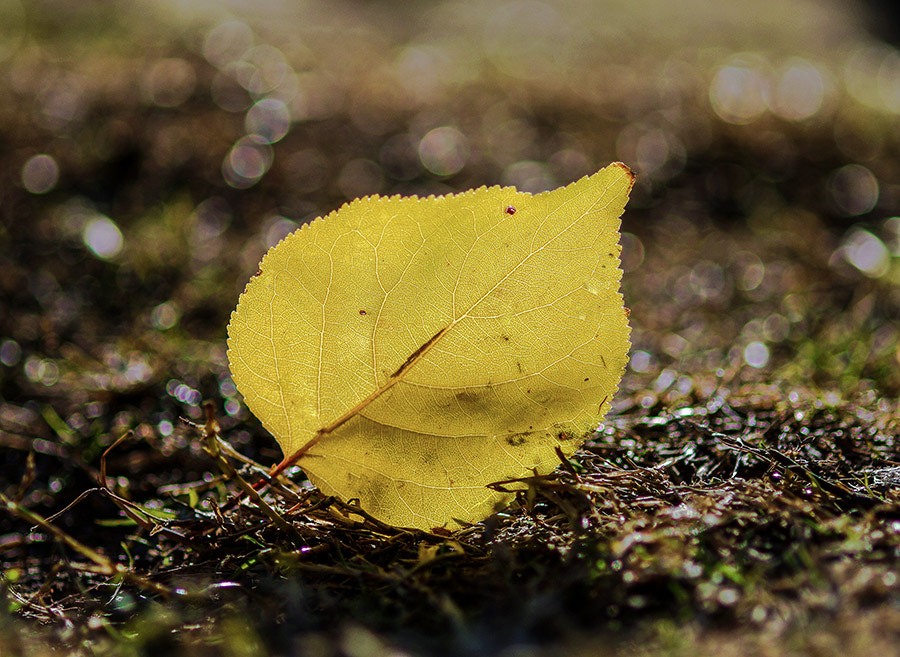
(469,400)
(626,169)
(600,407)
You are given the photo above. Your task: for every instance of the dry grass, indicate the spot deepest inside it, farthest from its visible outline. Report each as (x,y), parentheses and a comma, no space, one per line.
(749,514)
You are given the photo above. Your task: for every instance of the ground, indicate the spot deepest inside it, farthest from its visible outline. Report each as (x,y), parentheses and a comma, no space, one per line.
(743,496)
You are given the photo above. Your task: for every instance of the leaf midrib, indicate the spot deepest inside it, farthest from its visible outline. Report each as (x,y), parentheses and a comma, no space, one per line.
(419,353)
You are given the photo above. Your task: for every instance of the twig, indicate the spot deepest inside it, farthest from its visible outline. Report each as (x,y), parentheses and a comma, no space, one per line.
(774,457)
(104,565)
(129,508)
(27,477)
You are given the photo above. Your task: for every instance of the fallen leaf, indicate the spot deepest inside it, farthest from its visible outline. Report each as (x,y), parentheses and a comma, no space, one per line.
(412,351)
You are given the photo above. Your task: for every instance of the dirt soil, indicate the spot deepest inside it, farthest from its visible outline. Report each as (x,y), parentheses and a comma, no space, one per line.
(743,497)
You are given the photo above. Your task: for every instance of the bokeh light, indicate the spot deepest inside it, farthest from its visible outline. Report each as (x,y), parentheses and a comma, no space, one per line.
(861,72)
(12,32)
(10,352)
(102,237)
(443,151)
(751,270)
(156,150)
(399,157)
(169,82)
(264,69)
(800,91)
(525,39)
(277,229)
(43,371)
(866,252)
(641,361)
(528,176)
(756,354)
(269,118)
(62,103)
(360,177)
(165,316)
(632,251)
(739,93)
(226,42)
(247,162)
(854,189)
(40,174)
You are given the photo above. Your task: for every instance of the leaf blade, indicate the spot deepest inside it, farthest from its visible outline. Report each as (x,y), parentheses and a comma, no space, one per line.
(433,328)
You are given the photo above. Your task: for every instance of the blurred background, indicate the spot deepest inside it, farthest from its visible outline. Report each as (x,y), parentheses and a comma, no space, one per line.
(153,151)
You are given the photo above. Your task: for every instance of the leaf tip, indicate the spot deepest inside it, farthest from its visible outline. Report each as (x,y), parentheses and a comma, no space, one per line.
(626,169)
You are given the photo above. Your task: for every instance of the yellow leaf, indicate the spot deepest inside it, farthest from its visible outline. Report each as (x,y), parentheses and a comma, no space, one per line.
(415,350)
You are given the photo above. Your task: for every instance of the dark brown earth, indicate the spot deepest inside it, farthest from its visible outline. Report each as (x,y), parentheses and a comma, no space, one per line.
(743,496)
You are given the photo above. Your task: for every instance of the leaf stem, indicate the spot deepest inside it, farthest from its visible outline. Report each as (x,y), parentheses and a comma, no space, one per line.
(210,433)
